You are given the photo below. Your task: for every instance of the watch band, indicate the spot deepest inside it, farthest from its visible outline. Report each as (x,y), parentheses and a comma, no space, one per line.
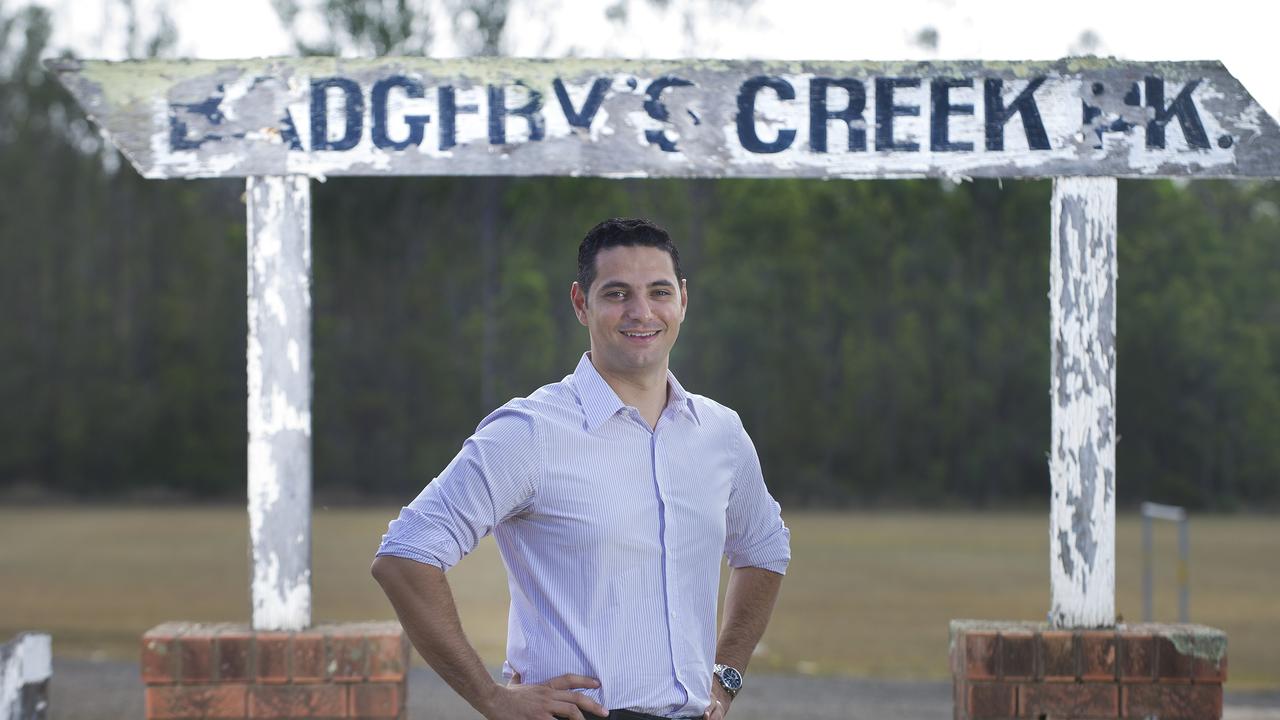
(730,679)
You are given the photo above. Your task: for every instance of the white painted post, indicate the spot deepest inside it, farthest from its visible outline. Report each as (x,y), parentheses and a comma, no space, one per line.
(1082,461)
(279,364)
(26,666)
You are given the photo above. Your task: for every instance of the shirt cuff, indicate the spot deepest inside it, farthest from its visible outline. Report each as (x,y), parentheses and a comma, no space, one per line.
(410,553)
(778,566)
(773,553)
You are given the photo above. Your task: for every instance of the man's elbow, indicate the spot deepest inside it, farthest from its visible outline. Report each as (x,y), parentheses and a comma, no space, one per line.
(390,570)
(384,569)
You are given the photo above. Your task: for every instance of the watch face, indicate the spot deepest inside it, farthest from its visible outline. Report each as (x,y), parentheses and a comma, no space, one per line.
(731,678)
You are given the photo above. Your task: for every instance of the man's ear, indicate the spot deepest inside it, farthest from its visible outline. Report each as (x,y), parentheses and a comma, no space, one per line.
(684,297)
(579,300)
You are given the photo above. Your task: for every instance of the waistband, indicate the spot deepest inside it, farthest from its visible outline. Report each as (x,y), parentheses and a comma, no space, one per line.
(633,715)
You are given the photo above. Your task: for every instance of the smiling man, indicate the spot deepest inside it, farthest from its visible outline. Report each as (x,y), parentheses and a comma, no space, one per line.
(613,495)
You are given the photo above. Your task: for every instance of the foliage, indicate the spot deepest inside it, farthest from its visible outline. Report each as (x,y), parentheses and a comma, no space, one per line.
(359,27)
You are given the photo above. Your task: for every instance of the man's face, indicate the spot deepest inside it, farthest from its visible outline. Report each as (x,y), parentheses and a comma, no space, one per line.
(633,309)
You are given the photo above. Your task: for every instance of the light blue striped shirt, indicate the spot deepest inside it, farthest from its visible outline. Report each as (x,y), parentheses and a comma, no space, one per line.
(611,533)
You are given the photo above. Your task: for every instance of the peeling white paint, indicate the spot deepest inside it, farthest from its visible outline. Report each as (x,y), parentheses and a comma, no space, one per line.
(1082,292)
(275,303)
(256,95)
(280,603)
(279,400)
(264,486)
(25,660)
(37,654)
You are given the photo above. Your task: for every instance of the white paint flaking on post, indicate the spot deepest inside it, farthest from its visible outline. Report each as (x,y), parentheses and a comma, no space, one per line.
(279,385)
(37,654)
(1082,299)
(26,660)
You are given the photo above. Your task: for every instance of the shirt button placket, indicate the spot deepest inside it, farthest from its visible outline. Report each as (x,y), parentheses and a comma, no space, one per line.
(674,625)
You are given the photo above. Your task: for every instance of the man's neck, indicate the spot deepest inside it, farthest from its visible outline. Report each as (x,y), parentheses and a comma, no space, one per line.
(646,392)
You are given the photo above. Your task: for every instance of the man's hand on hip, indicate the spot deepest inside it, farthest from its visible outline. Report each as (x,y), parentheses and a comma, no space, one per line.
(554,698)
(720,702)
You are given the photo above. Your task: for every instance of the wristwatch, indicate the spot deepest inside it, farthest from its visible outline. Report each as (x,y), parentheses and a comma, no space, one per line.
(730,679)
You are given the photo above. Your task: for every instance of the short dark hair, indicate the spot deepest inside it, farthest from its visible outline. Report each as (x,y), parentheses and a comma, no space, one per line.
(626,232)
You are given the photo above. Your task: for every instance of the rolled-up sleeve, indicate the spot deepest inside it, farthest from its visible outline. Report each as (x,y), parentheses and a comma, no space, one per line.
(755,535)
(494,476)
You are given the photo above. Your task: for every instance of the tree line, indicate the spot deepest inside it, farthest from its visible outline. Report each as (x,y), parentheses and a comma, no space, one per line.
(883,341)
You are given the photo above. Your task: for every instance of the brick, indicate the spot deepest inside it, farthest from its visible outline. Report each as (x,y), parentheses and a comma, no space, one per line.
(174,702)
(1075,700)
(388,656)
(1017,656)
(272,657)
(376,700)
(1203,670)
(348,657)
(980,655)
(1097,655)
(1172,701)
(195,656)
(159,661)
(1137,658)
(1057,656)
(235,655)
(307,658)
(298,701)
(1171,665)
(992,700)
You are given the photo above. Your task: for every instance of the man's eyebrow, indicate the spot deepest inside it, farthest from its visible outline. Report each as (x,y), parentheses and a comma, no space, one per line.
(618,284)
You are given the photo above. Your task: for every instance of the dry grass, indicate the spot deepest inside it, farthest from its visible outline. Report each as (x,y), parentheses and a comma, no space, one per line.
(867,594)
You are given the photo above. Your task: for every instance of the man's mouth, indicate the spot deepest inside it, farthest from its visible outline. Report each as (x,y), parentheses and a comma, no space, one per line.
(639,333)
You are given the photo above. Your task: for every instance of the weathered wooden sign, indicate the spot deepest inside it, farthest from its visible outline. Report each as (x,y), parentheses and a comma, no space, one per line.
(622,118)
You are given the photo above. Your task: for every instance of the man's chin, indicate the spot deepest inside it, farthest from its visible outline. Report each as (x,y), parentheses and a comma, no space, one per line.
(633,361)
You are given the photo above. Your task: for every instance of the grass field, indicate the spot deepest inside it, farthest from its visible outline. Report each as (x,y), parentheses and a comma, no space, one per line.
(867,594)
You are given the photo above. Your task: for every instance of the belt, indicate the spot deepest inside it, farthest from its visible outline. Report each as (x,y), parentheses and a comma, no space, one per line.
(633,715)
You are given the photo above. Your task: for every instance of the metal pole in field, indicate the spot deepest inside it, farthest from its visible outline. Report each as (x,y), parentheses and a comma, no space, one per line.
(1148,569)
(279,373)
(1150,513)
(1184,570)
(1082,301)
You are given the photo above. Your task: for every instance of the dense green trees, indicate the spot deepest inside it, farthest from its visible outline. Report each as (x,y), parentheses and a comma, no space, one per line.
(883,341)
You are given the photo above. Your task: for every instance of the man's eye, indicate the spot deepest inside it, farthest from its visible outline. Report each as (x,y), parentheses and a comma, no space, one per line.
(614,294)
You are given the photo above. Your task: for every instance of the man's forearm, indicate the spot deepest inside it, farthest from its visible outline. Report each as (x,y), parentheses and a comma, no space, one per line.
(748,603)
(424,603)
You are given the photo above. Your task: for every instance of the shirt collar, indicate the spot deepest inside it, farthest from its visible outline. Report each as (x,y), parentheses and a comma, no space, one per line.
(681,399)
(600,402)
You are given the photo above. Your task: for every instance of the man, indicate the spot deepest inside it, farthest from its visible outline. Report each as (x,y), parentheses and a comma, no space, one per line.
(612,495)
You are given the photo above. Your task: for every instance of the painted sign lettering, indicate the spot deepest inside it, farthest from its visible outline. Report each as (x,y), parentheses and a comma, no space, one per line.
(633,119)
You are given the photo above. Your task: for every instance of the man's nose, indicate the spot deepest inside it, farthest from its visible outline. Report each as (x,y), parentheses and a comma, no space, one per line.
(639,308)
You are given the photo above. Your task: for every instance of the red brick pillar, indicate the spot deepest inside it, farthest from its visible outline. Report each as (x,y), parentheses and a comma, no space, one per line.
(356,670)
(1004,670)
